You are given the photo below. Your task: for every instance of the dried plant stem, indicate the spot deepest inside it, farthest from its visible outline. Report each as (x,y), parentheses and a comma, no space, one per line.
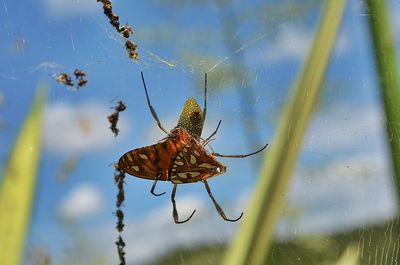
(119,181)
(125,30)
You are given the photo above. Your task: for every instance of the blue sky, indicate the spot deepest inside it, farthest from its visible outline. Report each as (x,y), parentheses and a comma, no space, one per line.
(344,158)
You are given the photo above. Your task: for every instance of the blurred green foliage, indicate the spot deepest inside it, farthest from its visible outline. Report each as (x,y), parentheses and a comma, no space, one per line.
(376,244)
(385,57)
(18,184)
(256,232)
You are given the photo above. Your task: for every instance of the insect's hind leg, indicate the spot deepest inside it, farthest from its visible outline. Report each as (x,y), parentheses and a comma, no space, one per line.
(153,112)
(219,209)
(174,211)
(240,156)
(153,187)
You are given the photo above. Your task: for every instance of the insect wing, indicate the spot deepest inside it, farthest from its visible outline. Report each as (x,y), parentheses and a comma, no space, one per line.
(152,162)
(193,163)
(139,162)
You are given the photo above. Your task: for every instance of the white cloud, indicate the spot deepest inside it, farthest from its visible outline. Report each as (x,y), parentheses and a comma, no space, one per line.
(349,192)
(48,66)
(354,187)
(68,8)
(80,128)
(345,127)
(83,201)
(294,42)
(156,234)
(291,43)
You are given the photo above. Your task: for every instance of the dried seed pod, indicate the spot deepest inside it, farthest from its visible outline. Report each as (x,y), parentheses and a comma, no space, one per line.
(65,79)
(114,117)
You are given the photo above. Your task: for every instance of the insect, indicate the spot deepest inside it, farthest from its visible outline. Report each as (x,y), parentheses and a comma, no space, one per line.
(181,157)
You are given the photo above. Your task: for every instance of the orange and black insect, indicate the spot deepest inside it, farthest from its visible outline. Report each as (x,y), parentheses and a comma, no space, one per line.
(181,157)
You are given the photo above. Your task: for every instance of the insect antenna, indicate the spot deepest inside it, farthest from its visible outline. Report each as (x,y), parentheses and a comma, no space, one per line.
(219,209)
(208,139)
(153,187)
(153,112)
(240,156)
(174,211)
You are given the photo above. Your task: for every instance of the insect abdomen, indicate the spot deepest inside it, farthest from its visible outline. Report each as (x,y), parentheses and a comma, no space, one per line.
(151,162)
(133,164)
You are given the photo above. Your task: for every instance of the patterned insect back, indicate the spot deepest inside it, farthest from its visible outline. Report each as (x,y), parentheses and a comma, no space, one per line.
(193,163)
(179,158)
(155,161)
(192,118)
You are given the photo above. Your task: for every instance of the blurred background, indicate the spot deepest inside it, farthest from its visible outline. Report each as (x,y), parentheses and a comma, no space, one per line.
(342,188)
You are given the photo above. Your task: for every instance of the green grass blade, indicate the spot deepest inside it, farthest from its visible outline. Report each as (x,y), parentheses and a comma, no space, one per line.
(385,57)
(349,256)
(18,185)
(255,235)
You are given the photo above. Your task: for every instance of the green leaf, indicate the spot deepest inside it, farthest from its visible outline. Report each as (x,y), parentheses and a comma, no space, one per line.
(18,184)
(349,256)
(255,235)
(385,57)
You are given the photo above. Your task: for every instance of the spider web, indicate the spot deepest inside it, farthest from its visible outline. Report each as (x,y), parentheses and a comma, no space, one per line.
(252,54)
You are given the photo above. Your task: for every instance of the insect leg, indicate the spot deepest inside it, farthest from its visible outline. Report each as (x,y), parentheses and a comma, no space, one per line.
(205,97)
(240,156)
(207,140)
(174,211)
(219,209)
(153,112)
(153,188)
